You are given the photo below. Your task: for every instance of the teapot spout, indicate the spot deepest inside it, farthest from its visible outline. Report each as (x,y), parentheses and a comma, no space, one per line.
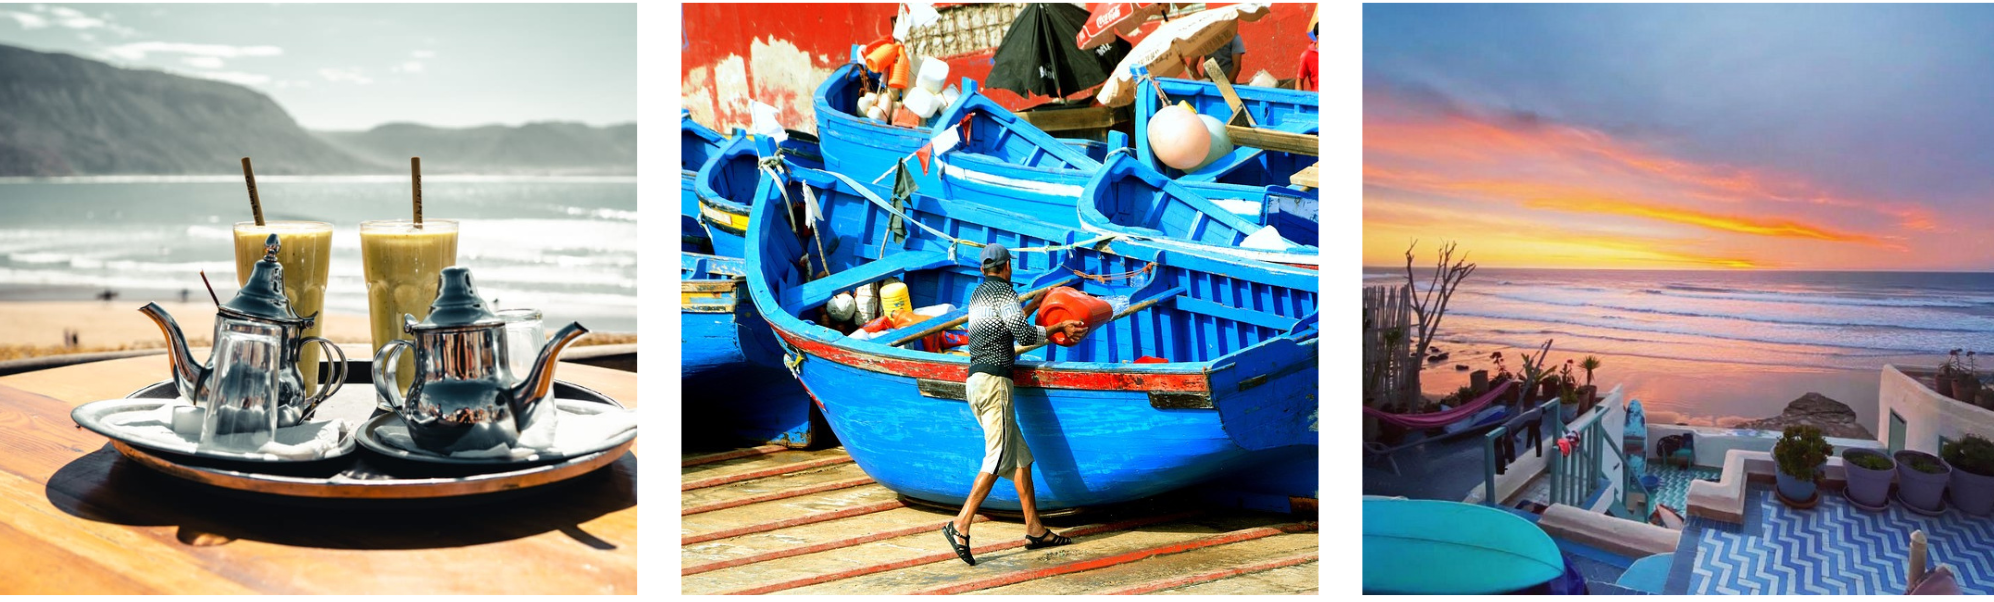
(187,373)
(538,385)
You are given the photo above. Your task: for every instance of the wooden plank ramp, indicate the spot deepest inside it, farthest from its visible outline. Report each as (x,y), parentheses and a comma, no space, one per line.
(811,522)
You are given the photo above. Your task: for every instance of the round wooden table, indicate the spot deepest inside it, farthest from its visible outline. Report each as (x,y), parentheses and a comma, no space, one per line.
(77,517)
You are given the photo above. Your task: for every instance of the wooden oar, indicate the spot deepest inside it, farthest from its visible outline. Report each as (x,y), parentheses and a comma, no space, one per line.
(1132,308)
(1027,297)
(1242,129)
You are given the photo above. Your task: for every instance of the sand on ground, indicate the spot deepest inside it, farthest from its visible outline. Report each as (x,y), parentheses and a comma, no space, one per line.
(36,328)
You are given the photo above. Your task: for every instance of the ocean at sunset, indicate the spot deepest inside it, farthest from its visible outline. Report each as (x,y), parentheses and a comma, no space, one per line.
(1707,347)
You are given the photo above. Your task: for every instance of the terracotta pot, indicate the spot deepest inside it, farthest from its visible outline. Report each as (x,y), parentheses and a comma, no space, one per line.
(1965,387)
(1942,384)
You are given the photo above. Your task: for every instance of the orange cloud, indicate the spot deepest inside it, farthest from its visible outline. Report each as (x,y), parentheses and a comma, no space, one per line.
(1527,158)
(1727,223)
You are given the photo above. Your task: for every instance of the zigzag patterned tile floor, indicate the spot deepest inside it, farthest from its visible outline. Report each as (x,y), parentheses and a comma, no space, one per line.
(1674,490)
(1835,548)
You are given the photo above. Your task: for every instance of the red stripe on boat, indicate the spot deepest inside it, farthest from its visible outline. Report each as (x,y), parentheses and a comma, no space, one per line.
(1193,382)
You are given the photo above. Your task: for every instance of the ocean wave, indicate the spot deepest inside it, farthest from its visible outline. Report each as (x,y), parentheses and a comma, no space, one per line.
(1820,298)
(1768,311)
(1843,338)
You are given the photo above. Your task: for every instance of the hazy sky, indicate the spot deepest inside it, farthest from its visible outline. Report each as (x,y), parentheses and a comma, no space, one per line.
(356,66)
(1683,136)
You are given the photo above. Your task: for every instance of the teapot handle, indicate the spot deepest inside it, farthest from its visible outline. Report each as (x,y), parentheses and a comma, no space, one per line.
(385,364)
(332,384)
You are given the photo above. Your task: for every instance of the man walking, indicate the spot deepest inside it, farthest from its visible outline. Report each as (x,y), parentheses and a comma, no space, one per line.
(996,326)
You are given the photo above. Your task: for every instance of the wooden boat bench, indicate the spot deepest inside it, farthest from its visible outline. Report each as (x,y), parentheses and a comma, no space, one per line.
(819,291)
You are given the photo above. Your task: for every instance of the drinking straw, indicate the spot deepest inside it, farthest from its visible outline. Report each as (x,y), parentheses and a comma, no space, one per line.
(415,172)
(211,288)
(255,204)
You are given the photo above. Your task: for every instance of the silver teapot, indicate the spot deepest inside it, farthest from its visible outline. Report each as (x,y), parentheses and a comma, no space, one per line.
(251,384)
(464,397)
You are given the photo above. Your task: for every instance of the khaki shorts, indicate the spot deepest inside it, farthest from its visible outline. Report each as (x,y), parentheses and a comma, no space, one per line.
(1004,449)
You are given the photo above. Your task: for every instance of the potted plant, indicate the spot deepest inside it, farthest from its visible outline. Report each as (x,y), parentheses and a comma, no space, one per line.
(1966,379)
(1800,454)
(1986,399)
(1921,480)
(1869,474)
(1590,363)
(1568,405)
(1942,382)
(1972,482)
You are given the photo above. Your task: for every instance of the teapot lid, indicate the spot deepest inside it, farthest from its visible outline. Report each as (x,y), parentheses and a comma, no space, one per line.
(263,296)
(457,302)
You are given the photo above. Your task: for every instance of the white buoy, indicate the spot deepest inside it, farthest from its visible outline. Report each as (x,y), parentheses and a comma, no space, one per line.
(875,113)
(866,102)
(933,73)
(1221,143)
(922,102)
(949,96)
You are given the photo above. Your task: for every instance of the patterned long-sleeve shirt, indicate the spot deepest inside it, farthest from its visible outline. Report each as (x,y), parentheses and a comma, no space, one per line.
(996,326)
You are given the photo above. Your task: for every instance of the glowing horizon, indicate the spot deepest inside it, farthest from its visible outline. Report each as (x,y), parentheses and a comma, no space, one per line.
(1583,137)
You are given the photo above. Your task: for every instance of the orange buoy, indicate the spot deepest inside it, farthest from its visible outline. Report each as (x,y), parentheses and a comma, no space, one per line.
(1065,303)
(903,75)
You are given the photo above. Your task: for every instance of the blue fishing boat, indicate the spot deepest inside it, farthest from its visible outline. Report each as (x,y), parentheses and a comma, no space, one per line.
(728,179)
(697,143)
(1003,161)
(1209,368)
(1127,199)
(1277,109)
(734,384)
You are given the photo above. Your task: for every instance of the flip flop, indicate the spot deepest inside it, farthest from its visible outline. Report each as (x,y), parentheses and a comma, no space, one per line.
(961,549)
(1048,540)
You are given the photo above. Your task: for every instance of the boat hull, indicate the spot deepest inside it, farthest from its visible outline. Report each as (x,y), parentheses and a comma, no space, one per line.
(918,438)
(1102,430)
(734,385)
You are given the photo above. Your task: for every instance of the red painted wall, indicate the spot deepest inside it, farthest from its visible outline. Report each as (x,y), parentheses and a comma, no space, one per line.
(716,34)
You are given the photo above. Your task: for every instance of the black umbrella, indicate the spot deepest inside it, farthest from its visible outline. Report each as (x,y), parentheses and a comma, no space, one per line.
(1039,56)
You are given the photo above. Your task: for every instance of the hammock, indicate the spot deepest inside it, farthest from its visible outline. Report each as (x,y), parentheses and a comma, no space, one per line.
(1442,418)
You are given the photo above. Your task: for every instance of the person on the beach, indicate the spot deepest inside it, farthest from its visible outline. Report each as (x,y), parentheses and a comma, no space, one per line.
(996,326)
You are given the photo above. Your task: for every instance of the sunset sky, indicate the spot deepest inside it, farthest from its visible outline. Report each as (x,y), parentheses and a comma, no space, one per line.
(1822,137)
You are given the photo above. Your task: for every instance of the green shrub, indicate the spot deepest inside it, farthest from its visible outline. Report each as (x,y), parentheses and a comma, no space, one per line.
(1926,465)
(1871,461)
(1974,454)
(1801,451)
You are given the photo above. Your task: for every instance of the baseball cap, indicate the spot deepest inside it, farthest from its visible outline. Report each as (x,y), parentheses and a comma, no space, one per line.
(995,255)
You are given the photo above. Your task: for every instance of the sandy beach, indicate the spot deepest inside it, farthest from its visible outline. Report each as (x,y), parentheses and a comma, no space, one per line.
(1675,391)
(36,328)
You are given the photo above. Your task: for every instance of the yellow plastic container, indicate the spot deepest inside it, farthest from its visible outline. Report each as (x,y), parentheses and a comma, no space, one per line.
(893,299)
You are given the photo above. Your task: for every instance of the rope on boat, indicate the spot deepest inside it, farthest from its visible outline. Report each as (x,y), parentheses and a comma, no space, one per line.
(1104,278)
(773,166)
(953,241)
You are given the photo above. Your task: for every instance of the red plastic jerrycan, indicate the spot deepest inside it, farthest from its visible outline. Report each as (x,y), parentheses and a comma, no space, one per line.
(1065,303)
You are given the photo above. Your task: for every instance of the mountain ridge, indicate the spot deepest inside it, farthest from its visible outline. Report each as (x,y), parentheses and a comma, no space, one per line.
(66,115)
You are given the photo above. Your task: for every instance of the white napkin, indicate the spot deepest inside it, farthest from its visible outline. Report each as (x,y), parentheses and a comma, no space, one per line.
(580,425)
(308,441)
